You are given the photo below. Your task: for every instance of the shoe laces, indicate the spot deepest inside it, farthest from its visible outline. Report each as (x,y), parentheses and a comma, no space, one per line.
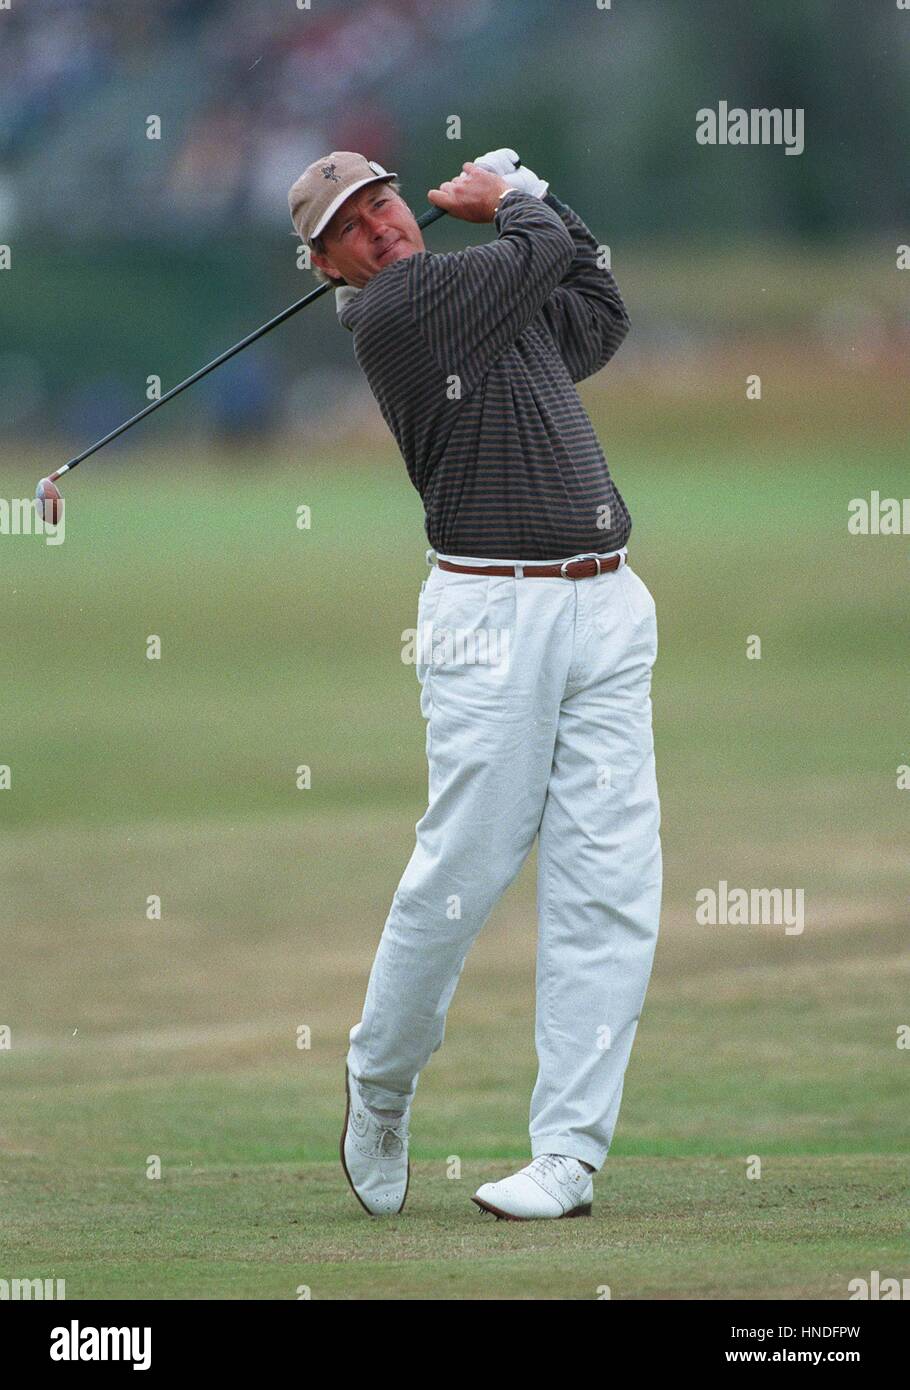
(391,1135)
(551,1163)
(391,1149)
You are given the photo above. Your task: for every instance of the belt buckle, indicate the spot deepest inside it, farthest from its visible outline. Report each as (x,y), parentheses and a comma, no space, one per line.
(580,559)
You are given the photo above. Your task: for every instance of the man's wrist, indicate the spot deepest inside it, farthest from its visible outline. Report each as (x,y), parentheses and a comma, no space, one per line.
(503,195)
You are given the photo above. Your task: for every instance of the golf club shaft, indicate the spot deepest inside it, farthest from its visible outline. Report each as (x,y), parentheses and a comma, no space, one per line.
(431,215)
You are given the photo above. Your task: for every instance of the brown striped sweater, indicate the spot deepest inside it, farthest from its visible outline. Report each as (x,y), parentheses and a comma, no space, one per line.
(472,357)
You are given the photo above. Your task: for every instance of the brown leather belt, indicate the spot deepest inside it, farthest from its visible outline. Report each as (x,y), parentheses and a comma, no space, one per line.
(585,568)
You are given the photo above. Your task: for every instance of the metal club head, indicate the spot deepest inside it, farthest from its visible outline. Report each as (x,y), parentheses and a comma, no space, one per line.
(48,502)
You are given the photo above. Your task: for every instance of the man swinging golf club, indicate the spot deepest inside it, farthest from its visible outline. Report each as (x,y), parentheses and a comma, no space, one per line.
(473,358)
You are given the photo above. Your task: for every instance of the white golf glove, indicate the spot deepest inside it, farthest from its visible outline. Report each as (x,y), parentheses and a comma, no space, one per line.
(508,166)
(343,296)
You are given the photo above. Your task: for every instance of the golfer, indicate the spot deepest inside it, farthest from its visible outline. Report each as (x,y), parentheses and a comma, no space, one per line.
(536,642)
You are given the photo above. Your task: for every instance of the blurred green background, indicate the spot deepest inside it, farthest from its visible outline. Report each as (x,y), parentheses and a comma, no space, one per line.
(134,256)
(281,647)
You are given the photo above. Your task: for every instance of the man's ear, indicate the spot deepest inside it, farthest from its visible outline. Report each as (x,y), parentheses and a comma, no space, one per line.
(325,265)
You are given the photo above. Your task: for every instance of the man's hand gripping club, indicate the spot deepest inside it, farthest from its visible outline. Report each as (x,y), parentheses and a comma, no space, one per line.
(473,195)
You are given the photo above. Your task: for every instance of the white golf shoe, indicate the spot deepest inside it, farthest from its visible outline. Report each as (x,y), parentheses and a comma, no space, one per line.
(374,1154)
(552,1185)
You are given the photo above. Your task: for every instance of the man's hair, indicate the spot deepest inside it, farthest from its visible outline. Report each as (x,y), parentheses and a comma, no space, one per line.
(319,245)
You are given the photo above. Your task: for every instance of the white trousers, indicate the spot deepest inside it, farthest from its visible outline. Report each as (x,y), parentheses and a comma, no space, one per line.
(536,694)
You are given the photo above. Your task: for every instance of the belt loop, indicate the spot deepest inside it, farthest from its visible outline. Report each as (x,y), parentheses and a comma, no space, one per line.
(430,562)
(519,571)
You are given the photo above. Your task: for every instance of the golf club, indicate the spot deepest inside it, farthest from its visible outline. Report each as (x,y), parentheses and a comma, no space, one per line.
(47,495)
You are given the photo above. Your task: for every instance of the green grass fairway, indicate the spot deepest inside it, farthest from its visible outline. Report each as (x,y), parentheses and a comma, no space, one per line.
(178,1037)
(662,1228)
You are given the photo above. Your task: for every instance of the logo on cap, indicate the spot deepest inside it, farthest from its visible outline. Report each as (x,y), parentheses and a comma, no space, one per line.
(328,172)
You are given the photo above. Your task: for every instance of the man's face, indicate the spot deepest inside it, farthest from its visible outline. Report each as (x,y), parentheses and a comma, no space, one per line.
(372,229)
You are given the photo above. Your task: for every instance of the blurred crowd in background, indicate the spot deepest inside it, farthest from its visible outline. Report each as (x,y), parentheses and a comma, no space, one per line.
(134,255)
(248,92)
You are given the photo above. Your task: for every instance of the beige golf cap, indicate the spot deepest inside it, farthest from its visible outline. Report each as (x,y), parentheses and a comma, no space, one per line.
(322,188)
